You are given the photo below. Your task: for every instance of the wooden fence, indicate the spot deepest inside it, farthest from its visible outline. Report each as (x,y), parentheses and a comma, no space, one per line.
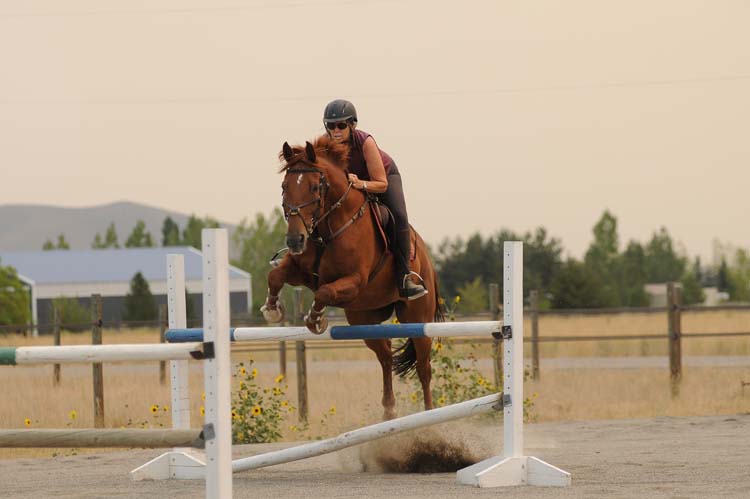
(673,335)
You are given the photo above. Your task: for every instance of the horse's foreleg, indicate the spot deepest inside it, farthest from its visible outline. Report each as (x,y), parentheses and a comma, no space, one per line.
(273,308)
(337,292)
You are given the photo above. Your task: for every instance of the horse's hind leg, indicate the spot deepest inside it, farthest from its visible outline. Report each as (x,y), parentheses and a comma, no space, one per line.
(382,349)
(423,347)
(422,310)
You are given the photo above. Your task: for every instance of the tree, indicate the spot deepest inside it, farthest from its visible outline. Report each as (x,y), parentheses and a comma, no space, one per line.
(170,233)
(692,292)
(663,263)
(458,261)
(110,238)
(98,243)
(257,242)
(15,304)
(603,261)
(140,237)
(576,285)
(62,244)
(191,236)
(73,314)
(722,277)
(140,304)
(632,278)
(739,277)
(474,297)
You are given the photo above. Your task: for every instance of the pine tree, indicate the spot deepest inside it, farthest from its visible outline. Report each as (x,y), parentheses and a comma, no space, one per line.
(722,277)
(140,237)
(110,238)
(62,244)
(98,243)
(170,233)
(140,304)
(191,236)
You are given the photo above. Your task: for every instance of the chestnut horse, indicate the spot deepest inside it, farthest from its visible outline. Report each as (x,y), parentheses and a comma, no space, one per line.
(337,251)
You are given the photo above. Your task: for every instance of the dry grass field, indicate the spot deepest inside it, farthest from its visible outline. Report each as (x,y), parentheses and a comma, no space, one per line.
(338,378)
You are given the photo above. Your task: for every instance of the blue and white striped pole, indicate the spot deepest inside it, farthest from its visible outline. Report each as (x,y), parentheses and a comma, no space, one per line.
(377,331)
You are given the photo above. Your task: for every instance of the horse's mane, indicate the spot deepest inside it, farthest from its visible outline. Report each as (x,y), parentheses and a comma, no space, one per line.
(333,152)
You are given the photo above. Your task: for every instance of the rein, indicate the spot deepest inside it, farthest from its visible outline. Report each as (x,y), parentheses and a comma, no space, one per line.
(320,201)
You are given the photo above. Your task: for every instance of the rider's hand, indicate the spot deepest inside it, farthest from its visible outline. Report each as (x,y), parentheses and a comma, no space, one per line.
(354,179)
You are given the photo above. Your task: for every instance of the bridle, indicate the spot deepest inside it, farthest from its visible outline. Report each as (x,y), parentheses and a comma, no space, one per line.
(323,186)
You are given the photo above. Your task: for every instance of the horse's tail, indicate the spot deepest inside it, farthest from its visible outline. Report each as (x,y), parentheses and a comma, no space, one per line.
(405,356)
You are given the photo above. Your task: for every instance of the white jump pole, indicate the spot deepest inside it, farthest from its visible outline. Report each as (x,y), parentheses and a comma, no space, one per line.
(513,467)
(98,353)
(181,462)
(369,433)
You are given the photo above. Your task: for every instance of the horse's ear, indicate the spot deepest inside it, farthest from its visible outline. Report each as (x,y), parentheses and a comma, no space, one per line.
(287,150)
(310,151)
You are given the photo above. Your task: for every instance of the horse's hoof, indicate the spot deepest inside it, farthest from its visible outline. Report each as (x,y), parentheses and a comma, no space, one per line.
(318,326)
(273,315)
(389,414)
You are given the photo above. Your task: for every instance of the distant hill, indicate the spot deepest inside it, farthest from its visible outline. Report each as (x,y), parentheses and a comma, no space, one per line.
(27,227)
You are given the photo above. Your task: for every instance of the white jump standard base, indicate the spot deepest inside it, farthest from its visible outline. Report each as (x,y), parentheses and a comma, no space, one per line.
(513,468)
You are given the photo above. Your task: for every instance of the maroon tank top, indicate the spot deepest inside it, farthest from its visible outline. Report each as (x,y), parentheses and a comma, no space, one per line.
(357,163)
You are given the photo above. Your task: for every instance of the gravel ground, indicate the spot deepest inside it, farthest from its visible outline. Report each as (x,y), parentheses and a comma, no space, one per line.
(701,457)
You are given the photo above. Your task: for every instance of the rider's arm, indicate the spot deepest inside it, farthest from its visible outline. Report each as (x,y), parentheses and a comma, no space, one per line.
(378,181)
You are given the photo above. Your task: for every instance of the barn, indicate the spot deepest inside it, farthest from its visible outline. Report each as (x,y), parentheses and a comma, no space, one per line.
(108,272)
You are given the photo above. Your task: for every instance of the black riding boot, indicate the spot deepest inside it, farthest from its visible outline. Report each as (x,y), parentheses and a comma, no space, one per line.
(406,288)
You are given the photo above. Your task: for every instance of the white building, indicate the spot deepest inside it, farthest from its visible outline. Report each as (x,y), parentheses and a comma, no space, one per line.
(108,272)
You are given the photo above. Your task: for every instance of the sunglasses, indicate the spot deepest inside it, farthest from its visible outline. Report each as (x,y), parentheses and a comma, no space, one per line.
(341,125)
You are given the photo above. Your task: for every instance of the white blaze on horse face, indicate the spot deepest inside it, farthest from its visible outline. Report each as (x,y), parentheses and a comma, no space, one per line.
(299,179)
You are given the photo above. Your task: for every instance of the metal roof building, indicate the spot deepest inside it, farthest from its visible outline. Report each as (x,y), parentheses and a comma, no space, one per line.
(108,272)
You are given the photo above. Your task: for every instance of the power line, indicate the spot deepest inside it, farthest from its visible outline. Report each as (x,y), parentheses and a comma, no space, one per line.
(394,95)
(180,10)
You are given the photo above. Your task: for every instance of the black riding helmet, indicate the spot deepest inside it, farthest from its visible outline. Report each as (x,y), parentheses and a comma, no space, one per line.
(339,110)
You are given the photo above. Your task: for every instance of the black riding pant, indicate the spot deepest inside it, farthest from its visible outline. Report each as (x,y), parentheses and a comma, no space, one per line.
(393,198)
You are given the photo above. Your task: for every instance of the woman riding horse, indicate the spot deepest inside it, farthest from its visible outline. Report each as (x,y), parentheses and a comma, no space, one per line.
(373,170)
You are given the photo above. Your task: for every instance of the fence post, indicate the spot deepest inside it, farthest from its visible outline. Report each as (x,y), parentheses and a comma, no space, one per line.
(96,339)
(162,339)
(301,356)
(56,333)
(282,355)
(534,303)
(497,345)
(282,358)
(674,301)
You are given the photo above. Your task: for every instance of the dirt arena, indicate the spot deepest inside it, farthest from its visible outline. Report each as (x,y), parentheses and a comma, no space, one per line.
(687,457)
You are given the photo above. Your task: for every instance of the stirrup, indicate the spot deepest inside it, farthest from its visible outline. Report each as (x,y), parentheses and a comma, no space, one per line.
(407,286)
(276,259)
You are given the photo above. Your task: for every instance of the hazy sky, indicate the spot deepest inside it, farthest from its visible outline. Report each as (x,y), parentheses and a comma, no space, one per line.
(508,114)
